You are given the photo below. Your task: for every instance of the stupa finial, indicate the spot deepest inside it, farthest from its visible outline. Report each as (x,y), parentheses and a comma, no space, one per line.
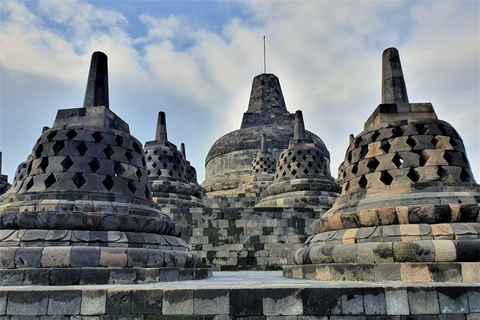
(263,144)
(161,134)
(96,93)
(299,133)
(182,150)
(393,83)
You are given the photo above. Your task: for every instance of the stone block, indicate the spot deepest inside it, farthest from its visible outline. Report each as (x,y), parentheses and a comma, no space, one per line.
(36,276)
(387,272)
(7,257)
(146,301)
(246,302)
(365,252)
(352,302)
(118,301)
(168,274)
(383,252)
(344,253)
(25,303)
(374,301)
(113,257)
(94,276)
(122,276)
(282,302)
(453,300)
(67,276)
(396,301)
(415,272)
(3,302)
(64,302)
(55,257)
(28,257)
(446,272)
(84,257)
(423,301)
(93,302)
(320,301)
(178,301)
(473,299)
(211,301)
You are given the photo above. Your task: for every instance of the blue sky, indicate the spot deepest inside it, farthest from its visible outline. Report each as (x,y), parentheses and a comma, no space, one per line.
(195,60)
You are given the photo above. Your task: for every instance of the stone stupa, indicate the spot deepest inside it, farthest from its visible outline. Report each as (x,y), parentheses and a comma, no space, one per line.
(302,175)
(409,209)
(80,210)
(167,172)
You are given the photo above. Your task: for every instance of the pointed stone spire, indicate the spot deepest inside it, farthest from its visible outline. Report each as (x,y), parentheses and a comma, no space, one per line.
(0,162)
(263,144)
(299,133)
(393,83)
(161,134)
(182,150)
(96,93)
(266,96)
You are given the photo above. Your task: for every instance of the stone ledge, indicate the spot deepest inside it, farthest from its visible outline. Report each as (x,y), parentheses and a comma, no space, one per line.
(456,272)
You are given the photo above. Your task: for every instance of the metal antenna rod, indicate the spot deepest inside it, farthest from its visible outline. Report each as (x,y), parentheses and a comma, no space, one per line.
(264,57)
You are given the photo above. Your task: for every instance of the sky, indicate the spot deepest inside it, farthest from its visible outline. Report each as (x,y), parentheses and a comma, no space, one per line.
(195,60)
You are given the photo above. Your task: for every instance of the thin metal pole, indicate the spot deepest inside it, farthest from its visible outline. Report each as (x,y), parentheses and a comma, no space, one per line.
(264,57)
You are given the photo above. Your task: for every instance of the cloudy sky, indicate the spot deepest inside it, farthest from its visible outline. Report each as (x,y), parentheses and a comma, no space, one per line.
(195,60)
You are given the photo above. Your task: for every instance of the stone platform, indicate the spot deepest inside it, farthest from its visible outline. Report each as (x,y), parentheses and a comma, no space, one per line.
(244,295)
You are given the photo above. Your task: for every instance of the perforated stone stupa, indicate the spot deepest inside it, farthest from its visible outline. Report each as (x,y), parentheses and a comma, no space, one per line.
(229,160)
(302,175)
(168,172)
(80,210)
(409,208)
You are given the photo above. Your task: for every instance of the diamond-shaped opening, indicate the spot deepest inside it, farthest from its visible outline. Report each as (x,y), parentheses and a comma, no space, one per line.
(284,174)
(108,151)
(385,146)
(299,152)
(159,172)
(170,173)
(349,157)
(362,183)
(289,153)
(165,165)
(144,162)
(160,158)
(58,146)
(309,164)
(155,152)
(119,141)
(448,157)
(294,172)
(78,179)
(357,142)
(136,147)
(386,178)
(51,135)
(355,169)
(43,164)
(453,143)
(397,160)
(289,166)
(131,187)
(413,175)
(169,159)
(411,142)
(179,174)
(299,164)
(316,171)
(373,163)
(38,152)
(49,181)
(149,158)
(29,184)
(139,174)
(305,171)
(147,193)
(94,165)
(434,141)
(165,152)
(66,163)
(465,175)
(397,132)
(174,166)
(148,172)
(304,157)
(118,168)
(347,186)
(108,183)
(375,135)
(97,136)
(256,170)
(423,158)
(71,134)
(129,156)
(442,173)
(421,128)
(363,152)
(154,165)
(82,148)
(29,169)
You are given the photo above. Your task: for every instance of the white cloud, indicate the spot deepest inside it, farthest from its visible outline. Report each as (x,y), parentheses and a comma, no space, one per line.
(326,54)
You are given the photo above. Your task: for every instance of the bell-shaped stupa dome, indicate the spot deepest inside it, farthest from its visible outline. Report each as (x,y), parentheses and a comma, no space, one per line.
(302,175)
(167,171)
(409,208)
(80,210)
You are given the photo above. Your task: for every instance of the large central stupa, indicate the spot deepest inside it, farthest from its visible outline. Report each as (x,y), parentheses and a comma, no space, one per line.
(228,162)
